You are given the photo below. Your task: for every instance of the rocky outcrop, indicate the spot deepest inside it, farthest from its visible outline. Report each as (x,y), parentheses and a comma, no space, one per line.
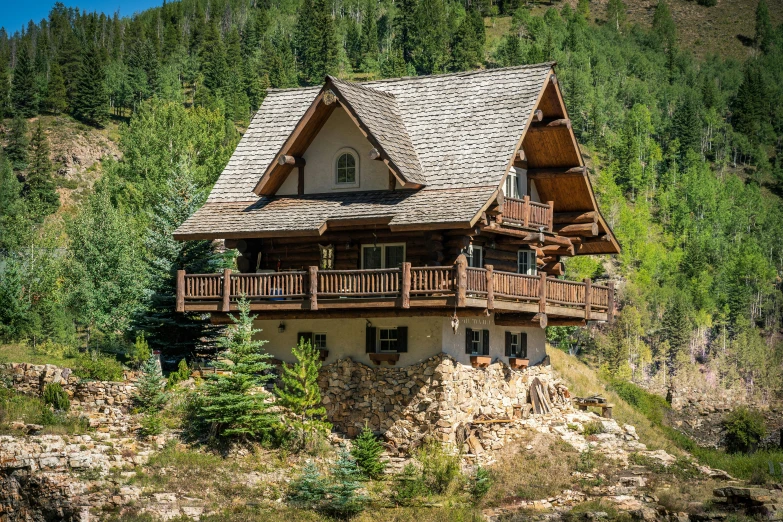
(436,398)
(35,497)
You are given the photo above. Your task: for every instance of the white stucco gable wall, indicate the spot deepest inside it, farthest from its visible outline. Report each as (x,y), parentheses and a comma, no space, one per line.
(338,133)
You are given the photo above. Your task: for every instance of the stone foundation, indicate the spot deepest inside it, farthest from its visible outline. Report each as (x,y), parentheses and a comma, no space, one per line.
(435,398)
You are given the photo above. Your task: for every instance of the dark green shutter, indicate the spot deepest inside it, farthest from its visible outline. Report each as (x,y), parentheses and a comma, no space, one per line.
(523,345)
(306,336)
(370,346)
(402,339)
(468,341)
(485,336)
(508,344)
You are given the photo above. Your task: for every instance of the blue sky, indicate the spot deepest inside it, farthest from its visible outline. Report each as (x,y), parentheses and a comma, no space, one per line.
(14,14)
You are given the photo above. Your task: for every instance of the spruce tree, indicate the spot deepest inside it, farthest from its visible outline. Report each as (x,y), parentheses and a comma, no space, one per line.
(676,326)
(5,89)
(150,396)
(369,40)
(343,499)
(56,96)
(686,124)
(465,47)
(24,94)
(301,395)
(40,190)
(316,43)
(91,102)
(170,332)
(367,451)
(405,28)
(393,64)
(18,143)
(13,211)
(232,405)
(764,30)
(353,44)
(749,107)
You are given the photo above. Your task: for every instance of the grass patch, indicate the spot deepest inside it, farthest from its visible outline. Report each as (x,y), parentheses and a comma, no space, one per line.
(580,511)
(15,407)
(86,365)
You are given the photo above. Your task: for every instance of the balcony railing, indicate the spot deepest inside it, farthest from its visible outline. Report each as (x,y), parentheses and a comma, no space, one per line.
(527,213)
(457,285)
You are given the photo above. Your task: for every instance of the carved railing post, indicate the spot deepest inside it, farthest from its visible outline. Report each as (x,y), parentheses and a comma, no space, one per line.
(588,297)
(542,292)
(313,274)
(550,217)
(490,287)
(180,290)
(406,286)
(462,279)
(526,211)
(610,310)
(226,290)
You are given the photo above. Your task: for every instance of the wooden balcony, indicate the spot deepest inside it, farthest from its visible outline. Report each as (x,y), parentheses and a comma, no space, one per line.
(412,289)
(528,214)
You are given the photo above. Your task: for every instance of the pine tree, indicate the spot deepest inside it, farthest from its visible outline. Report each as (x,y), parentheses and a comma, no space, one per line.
(13,211)
(353,44)
(166,330)
(24,94)
(369,40)
(40,190)
(316,43)
(56,96)
(394,65)
(405,28)
(18,143)
(150,396)
(5,89)
(367,451)
(749,110)
(431,53)
(301,395)
(676,326)
(465,47)
(664,29)
(308,491)
(764,30)
(615,14)
(583,8)
(343,501)
(686,124)
(90,102)
(231,404)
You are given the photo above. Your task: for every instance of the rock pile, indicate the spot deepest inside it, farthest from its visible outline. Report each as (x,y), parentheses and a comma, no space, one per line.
(763,503)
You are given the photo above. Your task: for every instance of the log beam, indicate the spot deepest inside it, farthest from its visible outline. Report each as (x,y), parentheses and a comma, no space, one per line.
(296,161)
(548,123)
(578,229)
(556,173)
(375,154)
(570,218)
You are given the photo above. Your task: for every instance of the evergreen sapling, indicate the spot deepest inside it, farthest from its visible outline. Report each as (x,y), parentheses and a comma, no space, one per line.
(367,451)
(150,396)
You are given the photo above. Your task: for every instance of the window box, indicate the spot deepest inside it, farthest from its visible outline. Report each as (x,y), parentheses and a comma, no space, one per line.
(323,354)
(390,358)
(518,363)
(480,361)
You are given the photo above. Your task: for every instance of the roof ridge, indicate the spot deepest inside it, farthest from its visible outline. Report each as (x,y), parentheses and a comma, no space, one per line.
(358,85)
(475,72)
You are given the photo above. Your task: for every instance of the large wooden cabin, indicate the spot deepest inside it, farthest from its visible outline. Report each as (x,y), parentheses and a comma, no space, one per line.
(393,220)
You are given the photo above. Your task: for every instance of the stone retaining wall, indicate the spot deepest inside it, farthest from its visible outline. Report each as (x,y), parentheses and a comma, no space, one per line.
(85,395)
(434,398)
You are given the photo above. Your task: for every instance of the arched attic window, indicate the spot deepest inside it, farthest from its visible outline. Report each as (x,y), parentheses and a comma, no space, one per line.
(346,168)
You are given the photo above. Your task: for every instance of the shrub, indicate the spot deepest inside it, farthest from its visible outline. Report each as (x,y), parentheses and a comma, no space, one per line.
(182,374)
(150,396)
(151,424)
(367,451)
(95,365)
(55,396)
(481,483)
(309,490)
(408,486)
(650,405)
(593,428)
(140,352)
(440,469)
(301,395)
(744,429)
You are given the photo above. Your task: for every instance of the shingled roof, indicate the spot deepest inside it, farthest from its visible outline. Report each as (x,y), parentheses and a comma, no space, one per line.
(446,132)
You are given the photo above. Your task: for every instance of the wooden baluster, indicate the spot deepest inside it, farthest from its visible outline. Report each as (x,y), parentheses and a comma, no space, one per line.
(550,215)
(490,287)
(462,279)
(588,298)
(526,211)
(542,292)
(226,289)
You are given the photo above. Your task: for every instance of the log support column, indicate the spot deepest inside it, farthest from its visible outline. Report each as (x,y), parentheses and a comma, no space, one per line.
(405,295)
(180,291)
(490,287)
(313,276)
(462,280)
(226,290)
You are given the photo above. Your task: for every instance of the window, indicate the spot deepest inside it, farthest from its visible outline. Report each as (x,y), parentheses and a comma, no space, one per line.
(319,341)
(516,345)
(387,340)
(347,168)
(476,342)
(383,256)
(511,188)
(327,257)
(526,262)
(475,255)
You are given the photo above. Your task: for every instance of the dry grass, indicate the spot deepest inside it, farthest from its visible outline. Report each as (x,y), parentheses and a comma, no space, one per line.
(583,380)
(25,353)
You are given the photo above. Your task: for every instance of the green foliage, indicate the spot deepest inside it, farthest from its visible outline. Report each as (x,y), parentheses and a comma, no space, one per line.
(301,395)
(231,403)
(97,366)
(336,495)
(24,95)
(367,451)
(593,428)
(18,143)
(55,396)
(182,374)
(141,351)
(13,209)
(408,486)
(32,410)
(440,468)
(150,396)
(151,424)
(652,406)
(39,187)
(56,100)
(316,43)
(90,101)
(309,489)
(481,483)
(744,429)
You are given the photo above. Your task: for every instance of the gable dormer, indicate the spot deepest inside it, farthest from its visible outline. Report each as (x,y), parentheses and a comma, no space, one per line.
(351,138)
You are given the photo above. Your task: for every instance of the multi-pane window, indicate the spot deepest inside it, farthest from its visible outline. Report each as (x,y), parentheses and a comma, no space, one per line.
(516,345)
(476,347)
(526,262)
(319,341)
(346,169)
(383,256)
(511,188)
(475,255)
(387,339)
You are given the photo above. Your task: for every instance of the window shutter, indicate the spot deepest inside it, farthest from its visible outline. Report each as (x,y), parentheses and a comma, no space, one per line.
(402,339)
(468,341)
(508,344)
(485,343)
(306,336)
(370,346)
(523,345)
